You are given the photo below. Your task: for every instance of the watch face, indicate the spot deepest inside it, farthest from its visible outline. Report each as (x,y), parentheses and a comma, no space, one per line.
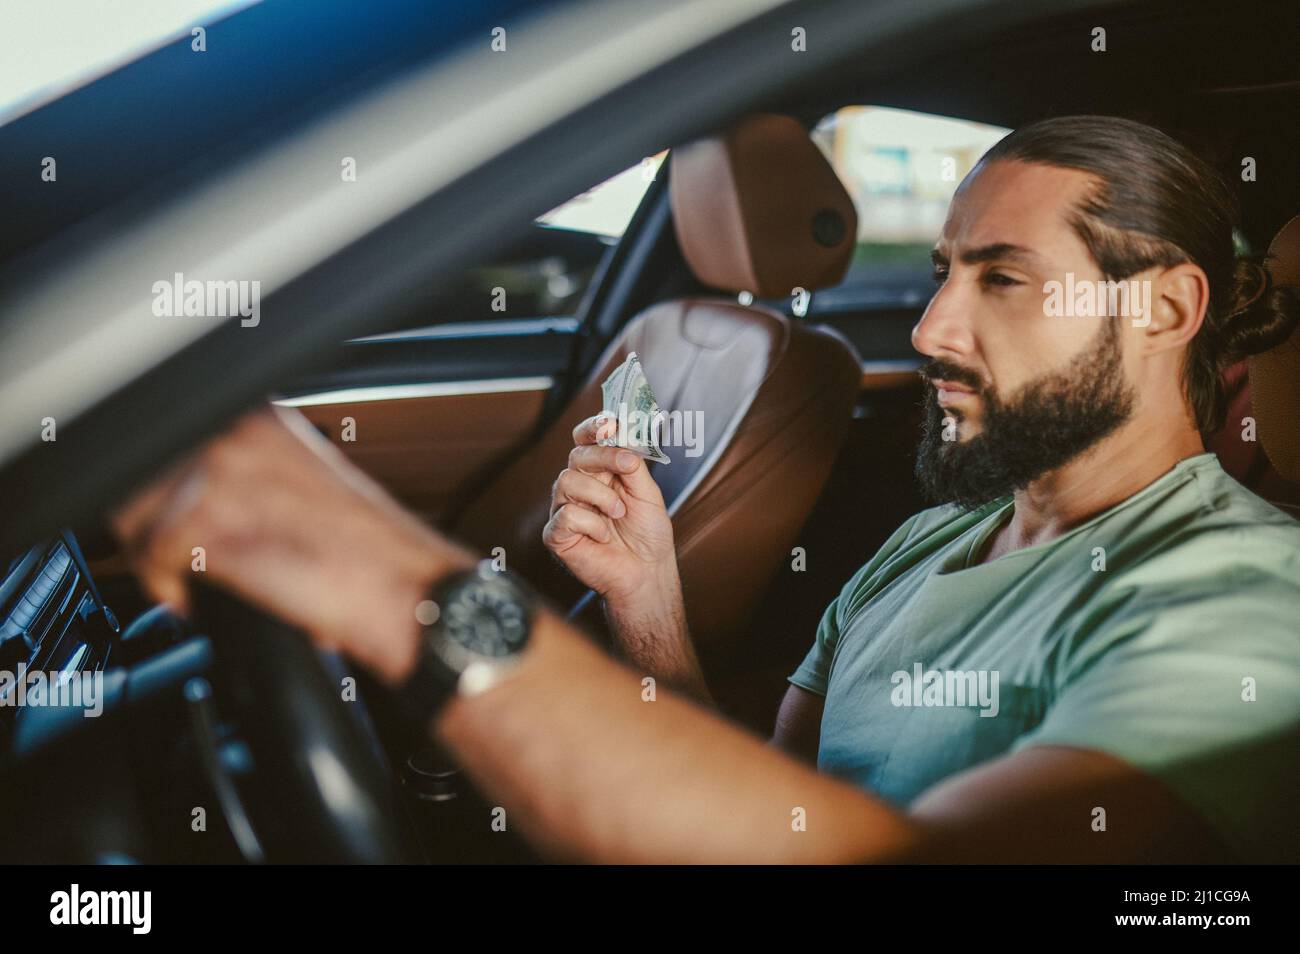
(487,619)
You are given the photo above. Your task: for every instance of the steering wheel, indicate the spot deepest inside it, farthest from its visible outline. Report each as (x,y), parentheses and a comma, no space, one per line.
(309,751)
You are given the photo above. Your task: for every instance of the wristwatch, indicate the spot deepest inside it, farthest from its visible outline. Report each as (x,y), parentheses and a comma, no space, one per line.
(481,622)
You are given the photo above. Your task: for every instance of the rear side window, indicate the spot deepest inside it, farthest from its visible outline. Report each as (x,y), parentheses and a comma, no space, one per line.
(606,209)
(543,277)
(548,274)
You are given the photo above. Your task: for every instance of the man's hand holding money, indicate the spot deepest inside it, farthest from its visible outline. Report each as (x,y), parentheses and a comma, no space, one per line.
(608,521)
(609,526)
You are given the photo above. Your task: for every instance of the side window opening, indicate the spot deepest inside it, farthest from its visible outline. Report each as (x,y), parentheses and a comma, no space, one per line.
(901,169)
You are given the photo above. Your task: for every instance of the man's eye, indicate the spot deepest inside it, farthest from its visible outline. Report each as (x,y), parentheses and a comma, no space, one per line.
(1000,280)
(940,275)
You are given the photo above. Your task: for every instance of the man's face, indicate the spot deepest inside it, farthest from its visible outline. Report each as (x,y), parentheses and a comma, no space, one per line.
(1012,392)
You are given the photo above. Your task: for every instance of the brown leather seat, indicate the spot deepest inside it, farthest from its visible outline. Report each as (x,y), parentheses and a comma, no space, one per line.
(1267,387)
(756,210)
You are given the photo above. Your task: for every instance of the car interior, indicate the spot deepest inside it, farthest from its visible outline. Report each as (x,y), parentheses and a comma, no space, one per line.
(811,409)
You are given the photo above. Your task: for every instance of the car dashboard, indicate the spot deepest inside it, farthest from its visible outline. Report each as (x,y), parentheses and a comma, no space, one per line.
(52,621)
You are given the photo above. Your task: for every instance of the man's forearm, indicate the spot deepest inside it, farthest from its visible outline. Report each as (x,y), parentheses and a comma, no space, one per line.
(589,771)
(650,632)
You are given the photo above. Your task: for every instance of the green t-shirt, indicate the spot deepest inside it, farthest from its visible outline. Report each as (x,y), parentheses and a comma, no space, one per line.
(1164,631)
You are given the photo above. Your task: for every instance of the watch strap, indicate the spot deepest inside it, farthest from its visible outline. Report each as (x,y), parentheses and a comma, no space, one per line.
(429,687)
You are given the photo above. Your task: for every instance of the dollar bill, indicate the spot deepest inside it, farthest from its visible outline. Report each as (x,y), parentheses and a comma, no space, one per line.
(628,398)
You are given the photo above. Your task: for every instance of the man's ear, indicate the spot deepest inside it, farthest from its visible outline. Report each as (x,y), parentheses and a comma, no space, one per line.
(1180,296)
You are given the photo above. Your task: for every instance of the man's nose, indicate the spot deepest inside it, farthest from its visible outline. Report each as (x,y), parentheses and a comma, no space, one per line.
(944,329)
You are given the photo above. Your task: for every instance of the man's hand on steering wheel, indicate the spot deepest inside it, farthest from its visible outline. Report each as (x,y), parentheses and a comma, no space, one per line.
(253,500)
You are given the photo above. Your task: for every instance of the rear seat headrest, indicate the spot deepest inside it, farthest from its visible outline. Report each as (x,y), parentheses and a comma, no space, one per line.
(759,209)
(1275,374)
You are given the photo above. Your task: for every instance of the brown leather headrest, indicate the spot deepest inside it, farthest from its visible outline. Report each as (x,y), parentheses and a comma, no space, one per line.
(1275,374)
(759,209)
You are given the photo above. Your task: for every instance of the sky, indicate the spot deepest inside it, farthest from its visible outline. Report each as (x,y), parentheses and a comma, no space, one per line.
(49,47)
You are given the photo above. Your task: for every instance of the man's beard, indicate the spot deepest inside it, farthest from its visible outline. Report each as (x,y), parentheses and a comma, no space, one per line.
(1046,424)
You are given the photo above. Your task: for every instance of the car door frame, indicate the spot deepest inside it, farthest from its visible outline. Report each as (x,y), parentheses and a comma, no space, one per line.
(192,392)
